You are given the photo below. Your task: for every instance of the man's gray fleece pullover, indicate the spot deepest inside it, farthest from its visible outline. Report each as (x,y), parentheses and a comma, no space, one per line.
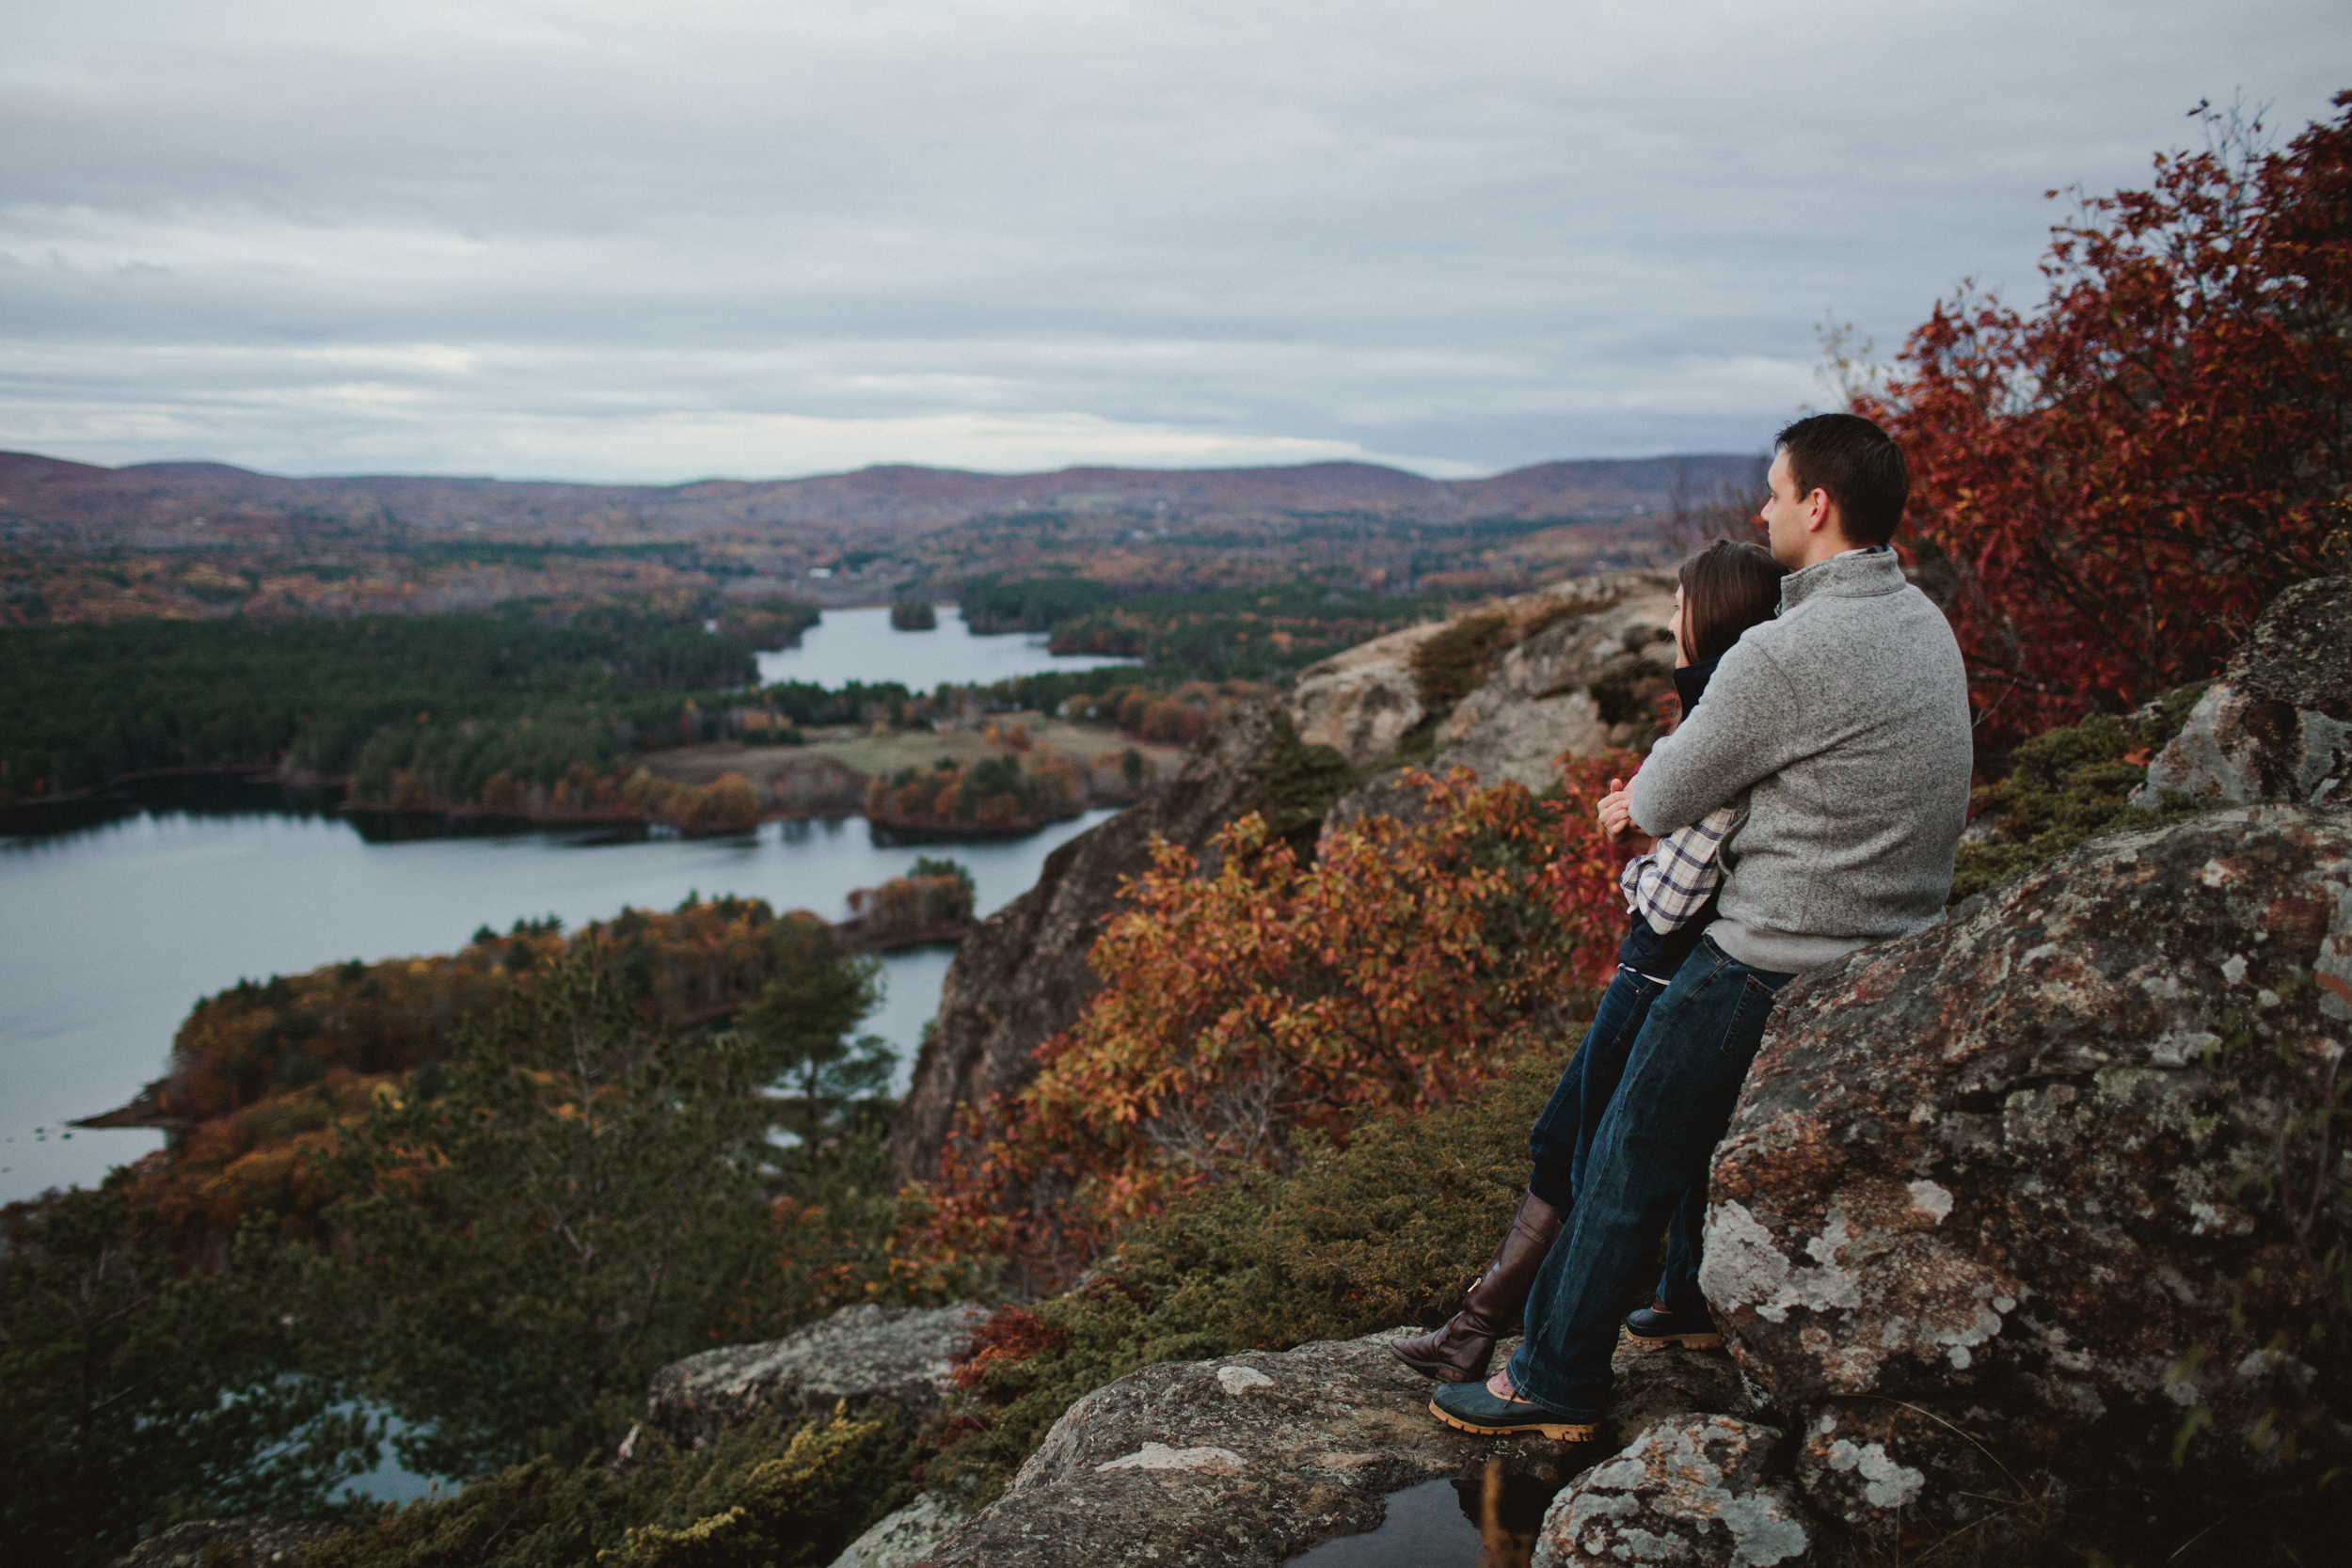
(1847,719)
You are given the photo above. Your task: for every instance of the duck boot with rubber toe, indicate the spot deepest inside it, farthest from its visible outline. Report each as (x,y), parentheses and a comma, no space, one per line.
(1461,1351)
(1653,1327)
(1474,1408)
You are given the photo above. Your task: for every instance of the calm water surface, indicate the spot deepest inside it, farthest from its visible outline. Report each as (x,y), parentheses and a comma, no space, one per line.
(115,929)
(860,645)
(1425,1527)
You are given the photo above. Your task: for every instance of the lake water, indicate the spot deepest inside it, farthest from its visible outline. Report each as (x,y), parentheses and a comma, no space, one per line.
(115,930)
(861,646)
(116,927)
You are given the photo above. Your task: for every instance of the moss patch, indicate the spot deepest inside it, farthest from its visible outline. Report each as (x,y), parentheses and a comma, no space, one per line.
(2065,785)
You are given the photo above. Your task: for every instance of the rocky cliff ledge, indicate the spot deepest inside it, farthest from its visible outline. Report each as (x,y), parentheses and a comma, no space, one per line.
(1250,1459)
(2041,1183)
(860,1356)
(2037,1215)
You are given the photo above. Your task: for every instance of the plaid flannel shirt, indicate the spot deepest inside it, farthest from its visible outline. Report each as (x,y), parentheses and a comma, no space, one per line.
(1673,881)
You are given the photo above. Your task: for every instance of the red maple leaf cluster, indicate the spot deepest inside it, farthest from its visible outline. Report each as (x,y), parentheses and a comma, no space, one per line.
(2121,479)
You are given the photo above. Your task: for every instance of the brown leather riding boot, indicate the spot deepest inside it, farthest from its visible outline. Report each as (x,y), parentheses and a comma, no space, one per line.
(1460,1352)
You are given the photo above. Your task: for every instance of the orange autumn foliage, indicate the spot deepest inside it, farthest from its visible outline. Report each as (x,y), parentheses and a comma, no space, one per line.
(265,1075)
(1397,970)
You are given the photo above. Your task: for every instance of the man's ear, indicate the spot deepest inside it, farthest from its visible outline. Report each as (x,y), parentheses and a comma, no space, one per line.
(1823,516)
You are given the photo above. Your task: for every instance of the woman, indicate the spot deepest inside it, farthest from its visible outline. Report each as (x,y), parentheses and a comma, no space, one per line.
(1721,591)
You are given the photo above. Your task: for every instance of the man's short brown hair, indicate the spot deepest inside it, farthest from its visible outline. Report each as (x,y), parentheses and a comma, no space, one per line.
(1858,464)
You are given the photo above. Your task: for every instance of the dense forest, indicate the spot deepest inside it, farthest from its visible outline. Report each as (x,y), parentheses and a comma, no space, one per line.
(1249,633)
(83,704)
(993,605)
(510,713)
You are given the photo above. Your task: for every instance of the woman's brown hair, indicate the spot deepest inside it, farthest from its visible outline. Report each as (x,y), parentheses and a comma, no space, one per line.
(1726,588)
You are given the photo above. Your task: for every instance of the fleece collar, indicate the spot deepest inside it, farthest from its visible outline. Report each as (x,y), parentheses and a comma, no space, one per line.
(1855,575)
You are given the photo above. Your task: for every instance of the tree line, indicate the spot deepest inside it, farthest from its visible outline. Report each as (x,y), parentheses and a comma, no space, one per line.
(84,705)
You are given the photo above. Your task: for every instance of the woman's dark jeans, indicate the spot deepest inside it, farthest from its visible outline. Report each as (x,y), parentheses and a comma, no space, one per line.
(1560,1144)
(1651,1148)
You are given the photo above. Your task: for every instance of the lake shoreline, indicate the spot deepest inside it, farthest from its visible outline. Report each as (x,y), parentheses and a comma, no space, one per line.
(125,913)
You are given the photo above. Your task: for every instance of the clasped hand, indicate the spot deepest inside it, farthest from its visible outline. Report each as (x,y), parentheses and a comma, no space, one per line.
(1616,811)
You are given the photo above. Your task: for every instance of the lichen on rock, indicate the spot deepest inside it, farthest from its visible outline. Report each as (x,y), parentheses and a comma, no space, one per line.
(903,1538)
(861,1355)
(1693,1493)
(1997,1188)
(2278,724)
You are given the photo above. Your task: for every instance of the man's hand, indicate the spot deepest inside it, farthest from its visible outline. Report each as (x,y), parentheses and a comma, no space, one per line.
(1616,811)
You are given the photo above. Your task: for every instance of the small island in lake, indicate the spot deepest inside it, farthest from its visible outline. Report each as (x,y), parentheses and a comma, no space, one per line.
(932,904)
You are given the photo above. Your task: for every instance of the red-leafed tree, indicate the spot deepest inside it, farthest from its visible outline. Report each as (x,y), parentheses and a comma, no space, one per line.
(2122,478)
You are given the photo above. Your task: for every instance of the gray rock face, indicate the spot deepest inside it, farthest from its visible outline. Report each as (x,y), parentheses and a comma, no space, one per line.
(901,1539)
(1020,975)
(246,1542)
(866,1355)
(1996,1189)
(1594,654)
(1362,701)
(1581,684)
(2278,724)
(1253,1457)
(1690,1491)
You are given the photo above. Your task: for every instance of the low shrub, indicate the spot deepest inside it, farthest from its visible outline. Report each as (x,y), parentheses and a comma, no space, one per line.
(2065,785)
(1274,998)
(1385,1231)
(758,1494)
(1450,665)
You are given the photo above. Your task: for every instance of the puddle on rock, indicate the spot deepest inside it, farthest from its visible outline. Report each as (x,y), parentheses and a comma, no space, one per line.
(1434,1525)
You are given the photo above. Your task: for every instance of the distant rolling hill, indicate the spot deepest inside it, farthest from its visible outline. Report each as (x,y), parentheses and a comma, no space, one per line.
(154,505)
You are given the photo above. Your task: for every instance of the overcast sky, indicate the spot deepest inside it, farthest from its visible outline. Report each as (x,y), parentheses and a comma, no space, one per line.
(660,242)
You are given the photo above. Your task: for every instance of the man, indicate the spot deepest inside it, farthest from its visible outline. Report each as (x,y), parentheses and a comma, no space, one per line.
(1846,720)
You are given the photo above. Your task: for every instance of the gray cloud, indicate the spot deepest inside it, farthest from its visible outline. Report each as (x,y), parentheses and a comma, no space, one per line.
(639,241)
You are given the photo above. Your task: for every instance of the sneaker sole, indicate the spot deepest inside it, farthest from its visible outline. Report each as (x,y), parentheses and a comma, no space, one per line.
(1674,1341)
(1558,1431)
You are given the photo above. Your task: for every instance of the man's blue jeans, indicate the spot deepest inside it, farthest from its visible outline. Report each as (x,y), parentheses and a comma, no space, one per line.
(1650,1153)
